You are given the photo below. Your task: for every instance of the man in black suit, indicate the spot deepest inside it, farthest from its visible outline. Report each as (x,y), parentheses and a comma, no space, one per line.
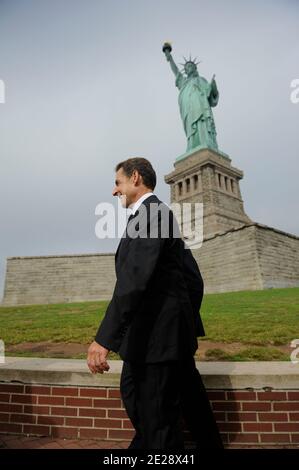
(153,321)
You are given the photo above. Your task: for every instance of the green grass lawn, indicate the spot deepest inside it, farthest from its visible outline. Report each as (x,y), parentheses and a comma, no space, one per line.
(260,320)
(265,317)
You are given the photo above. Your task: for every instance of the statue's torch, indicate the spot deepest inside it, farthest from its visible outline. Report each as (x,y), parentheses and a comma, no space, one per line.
(167,47)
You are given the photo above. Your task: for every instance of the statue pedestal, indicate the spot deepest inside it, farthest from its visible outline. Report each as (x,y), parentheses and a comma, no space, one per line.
(197,149)
(207,176)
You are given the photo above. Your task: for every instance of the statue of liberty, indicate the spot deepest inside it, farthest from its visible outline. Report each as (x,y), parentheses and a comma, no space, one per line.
(196,98)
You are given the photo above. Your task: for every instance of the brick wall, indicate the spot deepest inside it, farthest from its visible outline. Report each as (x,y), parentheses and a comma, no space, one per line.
(259,417)
(69,412)
(268,416)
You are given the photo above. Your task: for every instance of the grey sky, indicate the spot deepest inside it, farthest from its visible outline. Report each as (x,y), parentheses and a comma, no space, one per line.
(87,85)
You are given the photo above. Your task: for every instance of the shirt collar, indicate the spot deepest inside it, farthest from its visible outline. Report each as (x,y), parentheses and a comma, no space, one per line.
(138,203)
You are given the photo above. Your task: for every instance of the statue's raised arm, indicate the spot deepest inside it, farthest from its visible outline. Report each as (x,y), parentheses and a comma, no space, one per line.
(167,51)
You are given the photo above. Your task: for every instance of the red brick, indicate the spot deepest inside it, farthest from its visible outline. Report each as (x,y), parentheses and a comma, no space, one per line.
(24,399)
(65,391)
(117,414)
(286,427)
(219,416)
(23,418)
(114,393)
(213,395)
(230,427)
(4,397)
(51,400)
(39,410)
(58,411)
(78,402)
(273,437)
(36,430)
(257,427)
(243,438)
(256,406)
(226,405)
(241,395)
(273,417)
(37,390)
(92,412)
(93,392)
(107,423)
(9,427)
(9,388)
(8,408)
(51,420)
(126,424)
(241,416)
(271,396)
(295,437)
(293,396)
(86,422)
(4,417)
(87,433)
(288,406)
(294,416)
(61,431)
(107,403)
(121,434)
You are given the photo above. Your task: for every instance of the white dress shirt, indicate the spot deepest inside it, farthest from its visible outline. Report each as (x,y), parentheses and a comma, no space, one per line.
(139,201)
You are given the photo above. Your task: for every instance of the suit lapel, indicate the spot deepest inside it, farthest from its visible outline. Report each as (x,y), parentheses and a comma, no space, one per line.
(124,238)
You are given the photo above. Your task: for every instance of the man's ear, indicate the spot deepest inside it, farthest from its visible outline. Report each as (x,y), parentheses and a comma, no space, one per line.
(137,178)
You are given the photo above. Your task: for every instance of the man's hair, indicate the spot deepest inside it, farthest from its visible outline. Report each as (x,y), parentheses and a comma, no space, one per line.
(144,168)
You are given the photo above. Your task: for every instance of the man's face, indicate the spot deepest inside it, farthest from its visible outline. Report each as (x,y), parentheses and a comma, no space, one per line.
(125,187)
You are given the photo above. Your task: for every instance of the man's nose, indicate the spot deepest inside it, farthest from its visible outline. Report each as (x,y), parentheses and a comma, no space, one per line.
(115,191)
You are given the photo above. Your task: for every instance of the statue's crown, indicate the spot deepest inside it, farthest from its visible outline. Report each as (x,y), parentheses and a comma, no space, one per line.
(190,61)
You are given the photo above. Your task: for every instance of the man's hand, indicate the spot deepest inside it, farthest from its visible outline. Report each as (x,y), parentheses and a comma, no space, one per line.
(96,358)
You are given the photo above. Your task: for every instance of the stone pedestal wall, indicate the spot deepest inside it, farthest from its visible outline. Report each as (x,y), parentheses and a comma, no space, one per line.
(207,176)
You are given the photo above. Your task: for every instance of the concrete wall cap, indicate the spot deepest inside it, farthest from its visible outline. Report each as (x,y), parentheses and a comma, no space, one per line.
(216,375)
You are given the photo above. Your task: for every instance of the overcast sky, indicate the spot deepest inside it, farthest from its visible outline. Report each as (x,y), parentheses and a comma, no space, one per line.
(87,85)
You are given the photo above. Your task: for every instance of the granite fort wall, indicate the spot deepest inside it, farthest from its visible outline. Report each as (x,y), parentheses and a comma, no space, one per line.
(55,279)
(250,257)
(254,404)
(229,262)
(278,255)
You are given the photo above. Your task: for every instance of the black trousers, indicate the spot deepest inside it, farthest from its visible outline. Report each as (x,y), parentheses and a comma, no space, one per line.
(157,396)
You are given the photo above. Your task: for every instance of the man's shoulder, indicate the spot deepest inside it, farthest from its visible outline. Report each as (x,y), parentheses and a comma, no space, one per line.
(157,215)
(154,207)
(153,201)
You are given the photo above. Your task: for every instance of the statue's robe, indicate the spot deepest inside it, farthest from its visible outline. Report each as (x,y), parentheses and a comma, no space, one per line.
(196,98)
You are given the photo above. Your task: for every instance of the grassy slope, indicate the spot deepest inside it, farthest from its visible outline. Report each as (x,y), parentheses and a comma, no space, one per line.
(257,319)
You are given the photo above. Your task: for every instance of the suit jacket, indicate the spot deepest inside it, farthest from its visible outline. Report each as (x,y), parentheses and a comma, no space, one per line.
(154,311)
